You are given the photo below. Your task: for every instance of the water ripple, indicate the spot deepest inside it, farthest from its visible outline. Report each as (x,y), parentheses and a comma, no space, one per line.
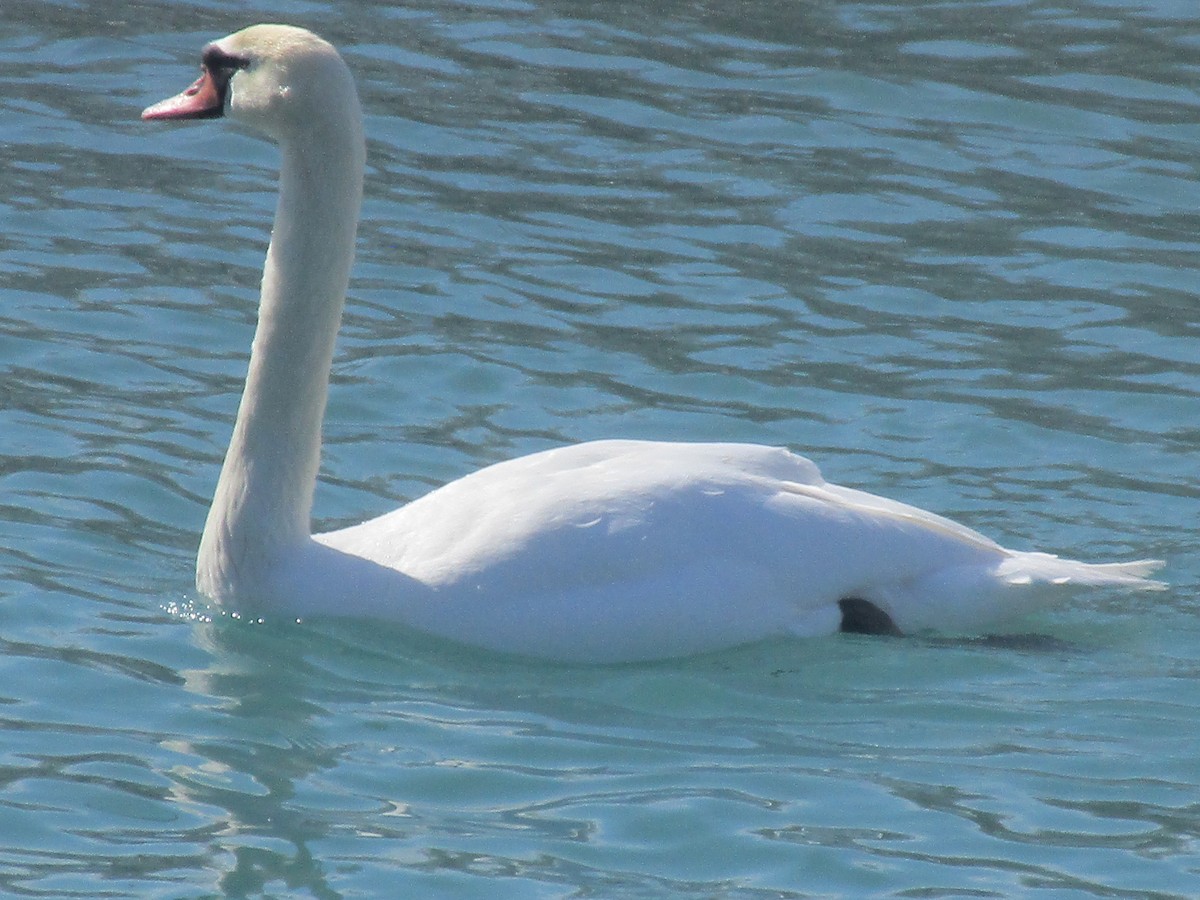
(948,250)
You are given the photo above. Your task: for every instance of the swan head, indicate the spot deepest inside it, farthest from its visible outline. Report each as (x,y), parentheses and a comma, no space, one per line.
(277,79)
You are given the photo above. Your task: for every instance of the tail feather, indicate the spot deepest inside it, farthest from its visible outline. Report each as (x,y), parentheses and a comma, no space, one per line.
(968,598)
(1029,568)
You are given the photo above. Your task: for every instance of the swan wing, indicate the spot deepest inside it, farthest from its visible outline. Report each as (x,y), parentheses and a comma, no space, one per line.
(637,549)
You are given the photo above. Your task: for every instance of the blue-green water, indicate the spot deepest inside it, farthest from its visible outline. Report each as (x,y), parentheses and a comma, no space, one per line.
(949,250)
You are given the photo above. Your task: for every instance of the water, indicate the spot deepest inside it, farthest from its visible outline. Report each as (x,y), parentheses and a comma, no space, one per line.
(947,250)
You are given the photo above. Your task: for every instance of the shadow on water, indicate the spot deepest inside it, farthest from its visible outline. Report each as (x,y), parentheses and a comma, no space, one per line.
(1030,642)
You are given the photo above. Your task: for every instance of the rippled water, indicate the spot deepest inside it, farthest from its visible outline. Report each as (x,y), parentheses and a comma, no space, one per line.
(946,249)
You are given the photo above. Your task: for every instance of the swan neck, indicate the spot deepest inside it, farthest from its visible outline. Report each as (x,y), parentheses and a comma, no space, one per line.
(263,502)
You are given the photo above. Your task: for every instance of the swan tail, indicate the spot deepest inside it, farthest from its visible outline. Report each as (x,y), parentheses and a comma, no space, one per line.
(967,598)
(1045,568)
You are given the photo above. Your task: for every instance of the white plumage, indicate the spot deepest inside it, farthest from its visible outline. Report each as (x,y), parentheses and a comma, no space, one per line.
(604,551)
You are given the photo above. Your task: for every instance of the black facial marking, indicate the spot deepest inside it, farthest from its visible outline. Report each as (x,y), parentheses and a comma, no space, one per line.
(220,63)
(219,67)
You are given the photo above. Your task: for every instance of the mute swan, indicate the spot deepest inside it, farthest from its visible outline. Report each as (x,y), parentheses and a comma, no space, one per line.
(604,551)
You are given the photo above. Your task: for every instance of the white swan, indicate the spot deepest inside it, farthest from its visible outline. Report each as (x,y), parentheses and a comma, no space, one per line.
(604,551)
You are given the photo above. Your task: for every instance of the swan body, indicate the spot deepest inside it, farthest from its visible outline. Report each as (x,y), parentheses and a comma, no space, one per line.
(602,551)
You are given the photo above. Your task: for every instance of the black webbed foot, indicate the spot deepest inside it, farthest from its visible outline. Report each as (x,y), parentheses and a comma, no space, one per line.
(863,617)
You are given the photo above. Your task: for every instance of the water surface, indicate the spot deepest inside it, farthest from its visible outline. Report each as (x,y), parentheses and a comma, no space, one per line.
(947,250)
